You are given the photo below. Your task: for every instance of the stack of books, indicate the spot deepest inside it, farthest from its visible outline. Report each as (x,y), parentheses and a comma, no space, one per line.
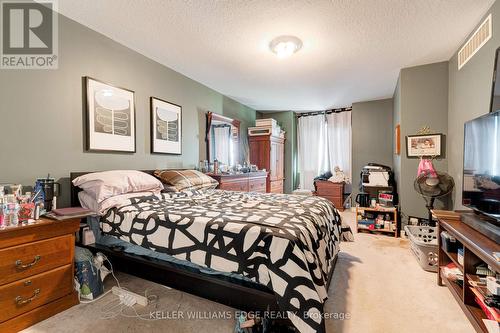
(482,299)
(453,273)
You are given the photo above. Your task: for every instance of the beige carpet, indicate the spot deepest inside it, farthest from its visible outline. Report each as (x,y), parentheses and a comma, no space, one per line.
(377,285)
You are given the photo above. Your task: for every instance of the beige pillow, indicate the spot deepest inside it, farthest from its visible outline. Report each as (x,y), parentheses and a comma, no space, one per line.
(102,185)
(186,179)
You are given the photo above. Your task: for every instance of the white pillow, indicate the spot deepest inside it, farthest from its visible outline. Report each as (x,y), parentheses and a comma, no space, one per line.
(88,202)
(102,185)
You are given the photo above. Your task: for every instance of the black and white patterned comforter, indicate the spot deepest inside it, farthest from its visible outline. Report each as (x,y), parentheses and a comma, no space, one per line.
(286,242)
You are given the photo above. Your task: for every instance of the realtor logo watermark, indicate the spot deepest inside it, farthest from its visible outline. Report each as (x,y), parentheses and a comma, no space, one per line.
(29,37)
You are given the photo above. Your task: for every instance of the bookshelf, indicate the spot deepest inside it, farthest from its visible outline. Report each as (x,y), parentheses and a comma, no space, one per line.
(366,215)
(477,249)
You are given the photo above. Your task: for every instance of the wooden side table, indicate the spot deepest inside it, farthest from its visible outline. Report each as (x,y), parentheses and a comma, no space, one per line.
(331,191)
(392,211)
(36,272)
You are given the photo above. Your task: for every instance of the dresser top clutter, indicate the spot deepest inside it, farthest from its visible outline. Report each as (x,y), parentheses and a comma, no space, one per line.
(227,164)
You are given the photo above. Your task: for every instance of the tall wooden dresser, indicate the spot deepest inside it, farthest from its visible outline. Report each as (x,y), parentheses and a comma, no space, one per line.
(268,152)
(36,272)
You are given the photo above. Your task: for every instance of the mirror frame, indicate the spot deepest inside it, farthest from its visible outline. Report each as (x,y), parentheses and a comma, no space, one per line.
(214,116)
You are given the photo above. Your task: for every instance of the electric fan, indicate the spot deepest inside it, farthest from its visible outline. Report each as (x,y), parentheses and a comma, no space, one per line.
(432,185)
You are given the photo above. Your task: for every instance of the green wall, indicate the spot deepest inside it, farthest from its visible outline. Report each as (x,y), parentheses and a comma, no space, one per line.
(421,99)
(372,136)
(41,110)
(288,122)
(469,97)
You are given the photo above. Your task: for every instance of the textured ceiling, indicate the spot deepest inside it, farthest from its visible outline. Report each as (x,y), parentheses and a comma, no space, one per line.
(353,49)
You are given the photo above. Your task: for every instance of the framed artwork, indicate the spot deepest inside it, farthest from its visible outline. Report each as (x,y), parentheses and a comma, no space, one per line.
(110,117)
(166,127)
(397,140)
(424,145)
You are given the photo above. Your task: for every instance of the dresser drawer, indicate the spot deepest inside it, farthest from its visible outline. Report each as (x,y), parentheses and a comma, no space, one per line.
(257,185)
(241,186)
(21,261)
(277,186)
(338,202)
(328,188)
(27,294)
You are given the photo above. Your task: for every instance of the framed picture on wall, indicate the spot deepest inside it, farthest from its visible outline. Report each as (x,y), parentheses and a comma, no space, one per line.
(166,127)
(424,145)
(110,117)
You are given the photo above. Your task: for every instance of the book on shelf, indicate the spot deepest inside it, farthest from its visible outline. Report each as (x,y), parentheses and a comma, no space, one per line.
(491,326)
(483,269)
(490,312)
(453,273)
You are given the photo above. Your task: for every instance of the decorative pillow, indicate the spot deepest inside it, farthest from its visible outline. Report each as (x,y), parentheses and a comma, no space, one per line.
(169,188)
(102,185)
(186,179)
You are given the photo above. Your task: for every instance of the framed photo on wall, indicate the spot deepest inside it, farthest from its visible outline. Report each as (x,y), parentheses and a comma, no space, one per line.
(166,127)
(110,117)
(424,145)
(397,140)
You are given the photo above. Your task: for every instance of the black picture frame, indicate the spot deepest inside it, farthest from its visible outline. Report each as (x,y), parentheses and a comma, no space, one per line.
(87,113)
(153,148)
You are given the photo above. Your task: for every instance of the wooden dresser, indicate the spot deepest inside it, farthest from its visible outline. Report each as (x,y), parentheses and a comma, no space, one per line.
(268,152)
(36,272)
(245,182)
(331,191)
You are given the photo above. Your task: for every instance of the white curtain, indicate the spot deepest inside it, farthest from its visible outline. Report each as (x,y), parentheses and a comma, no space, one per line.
(339,141)
(311,140)
(324,142)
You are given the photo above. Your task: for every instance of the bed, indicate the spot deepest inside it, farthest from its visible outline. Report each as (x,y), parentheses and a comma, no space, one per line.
(251,251)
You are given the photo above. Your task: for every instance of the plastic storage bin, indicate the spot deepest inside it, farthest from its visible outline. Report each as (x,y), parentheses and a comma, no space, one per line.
(424,245)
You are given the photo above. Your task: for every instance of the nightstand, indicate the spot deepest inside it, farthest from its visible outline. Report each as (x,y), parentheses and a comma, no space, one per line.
(36,272)
(331,191)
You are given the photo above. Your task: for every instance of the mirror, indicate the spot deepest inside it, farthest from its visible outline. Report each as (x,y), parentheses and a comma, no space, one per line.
(222,137)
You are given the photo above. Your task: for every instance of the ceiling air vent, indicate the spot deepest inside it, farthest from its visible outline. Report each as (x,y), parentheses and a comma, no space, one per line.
(475,42)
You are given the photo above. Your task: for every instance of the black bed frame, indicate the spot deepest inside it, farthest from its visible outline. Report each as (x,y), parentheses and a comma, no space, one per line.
(235,293)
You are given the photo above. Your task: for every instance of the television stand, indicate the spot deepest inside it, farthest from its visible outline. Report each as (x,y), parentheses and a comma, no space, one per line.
(478,249)
(482,225)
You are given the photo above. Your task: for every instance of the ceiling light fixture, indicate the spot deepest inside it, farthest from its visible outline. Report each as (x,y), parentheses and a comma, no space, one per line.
(285,46)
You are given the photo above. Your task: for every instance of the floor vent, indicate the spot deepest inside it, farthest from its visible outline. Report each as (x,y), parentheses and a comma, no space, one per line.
(475,42)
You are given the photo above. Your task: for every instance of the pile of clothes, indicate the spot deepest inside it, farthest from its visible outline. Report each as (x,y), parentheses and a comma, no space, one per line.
(337,177)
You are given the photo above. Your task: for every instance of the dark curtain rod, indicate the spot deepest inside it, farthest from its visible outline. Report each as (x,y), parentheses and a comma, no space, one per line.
(315,113)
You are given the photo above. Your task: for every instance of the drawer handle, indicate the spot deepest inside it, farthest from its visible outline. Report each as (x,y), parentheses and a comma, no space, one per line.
(20,301)
(20,265)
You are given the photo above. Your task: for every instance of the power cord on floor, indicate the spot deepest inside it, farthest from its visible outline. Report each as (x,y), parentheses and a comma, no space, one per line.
(104,258)
(117,306)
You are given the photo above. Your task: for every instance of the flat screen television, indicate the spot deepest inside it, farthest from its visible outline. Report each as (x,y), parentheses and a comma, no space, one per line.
(481,179)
